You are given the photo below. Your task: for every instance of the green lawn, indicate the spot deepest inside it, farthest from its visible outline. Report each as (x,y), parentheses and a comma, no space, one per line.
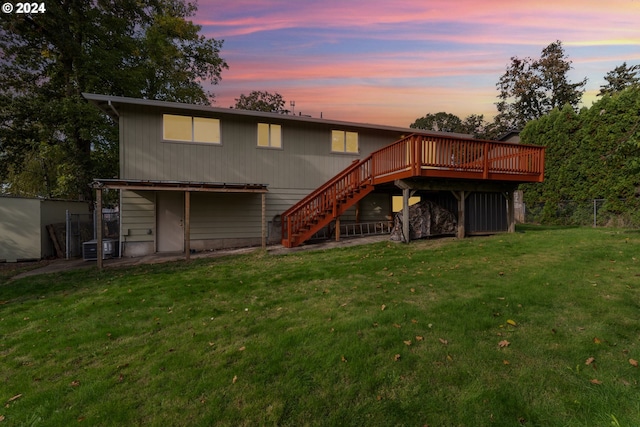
(536,328)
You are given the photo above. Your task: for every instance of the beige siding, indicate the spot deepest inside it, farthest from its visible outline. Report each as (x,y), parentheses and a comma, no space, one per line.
(304,162)
(23,226)
(225,215)
(138,216)
(20,229)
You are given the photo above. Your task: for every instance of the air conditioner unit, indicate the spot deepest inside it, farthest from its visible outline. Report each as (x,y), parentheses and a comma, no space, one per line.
(90,249)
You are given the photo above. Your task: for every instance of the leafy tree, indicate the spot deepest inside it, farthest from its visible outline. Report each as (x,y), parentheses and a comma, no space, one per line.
(261,101)
(138,48)
(620,78)
(473,124)
(531,88)
(439,122)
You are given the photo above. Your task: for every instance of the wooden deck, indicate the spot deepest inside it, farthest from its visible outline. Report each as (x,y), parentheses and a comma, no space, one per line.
(413,156)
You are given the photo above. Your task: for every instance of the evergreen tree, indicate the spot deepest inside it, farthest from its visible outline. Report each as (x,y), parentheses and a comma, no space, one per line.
(531,88)
(591,155)
(620,78)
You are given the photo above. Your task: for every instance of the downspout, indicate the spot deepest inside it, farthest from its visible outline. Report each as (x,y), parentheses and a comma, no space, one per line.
(113,109)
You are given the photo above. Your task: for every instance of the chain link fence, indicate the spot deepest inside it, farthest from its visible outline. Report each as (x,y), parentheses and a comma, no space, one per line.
(80,228)
(594,213)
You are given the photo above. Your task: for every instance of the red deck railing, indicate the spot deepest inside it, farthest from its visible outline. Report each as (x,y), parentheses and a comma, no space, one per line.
(413,156)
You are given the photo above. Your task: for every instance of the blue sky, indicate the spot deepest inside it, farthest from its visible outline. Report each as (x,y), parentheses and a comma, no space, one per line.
(391,62)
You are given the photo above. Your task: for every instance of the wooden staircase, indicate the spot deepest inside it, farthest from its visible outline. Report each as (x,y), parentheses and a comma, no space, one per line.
(413,156)
(325,204)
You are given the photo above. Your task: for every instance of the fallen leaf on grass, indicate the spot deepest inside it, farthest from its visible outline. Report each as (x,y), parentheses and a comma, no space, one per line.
(383,307)
(443,342)
(449,358)
(633,363)
(504,343)
(408,342)
(396,357)
(512,322)
(414,321)
(344,359)
(596,381)
(16,397)
(75,383)
(596,340)
(243,348)
(235,378)
(589,361)
(506,362)
(419,338)
(395,325)
(1,418)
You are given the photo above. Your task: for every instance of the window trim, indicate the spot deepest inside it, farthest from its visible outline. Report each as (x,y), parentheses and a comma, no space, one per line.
(270,134)
(345,139)
(193,130)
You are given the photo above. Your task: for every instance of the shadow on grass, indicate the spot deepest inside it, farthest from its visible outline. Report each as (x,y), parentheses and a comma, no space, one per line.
(45,285)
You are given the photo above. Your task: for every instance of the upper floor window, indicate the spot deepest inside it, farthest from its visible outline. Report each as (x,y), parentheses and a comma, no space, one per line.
(269,135)
(344,142)
(190,129)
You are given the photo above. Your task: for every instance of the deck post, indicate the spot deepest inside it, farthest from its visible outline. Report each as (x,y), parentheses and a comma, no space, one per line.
(187,225)
(460,195)
(264,221)
(511,214)
(99,248)
(337,229)
(406,193)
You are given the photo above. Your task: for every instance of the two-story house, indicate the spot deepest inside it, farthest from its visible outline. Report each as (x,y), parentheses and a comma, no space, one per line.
(200,177)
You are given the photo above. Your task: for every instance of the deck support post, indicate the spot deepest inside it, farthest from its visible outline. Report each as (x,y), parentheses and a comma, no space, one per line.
(460,195)
(337,229)
(264,221)
(406,193)
(187,225)
(99,248)
(511,214)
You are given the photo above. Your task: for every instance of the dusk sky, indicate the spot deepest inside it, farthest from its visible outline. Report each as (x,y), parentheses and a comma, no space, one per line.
(391,62)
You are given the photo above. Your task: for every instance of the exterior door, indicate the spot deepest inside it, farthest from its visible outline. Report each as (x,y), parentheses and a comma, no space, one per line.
(170,221)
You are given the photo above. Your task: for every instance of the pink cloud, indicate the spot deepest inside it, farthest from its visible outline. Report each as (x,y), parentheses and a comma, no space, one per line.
(467,45)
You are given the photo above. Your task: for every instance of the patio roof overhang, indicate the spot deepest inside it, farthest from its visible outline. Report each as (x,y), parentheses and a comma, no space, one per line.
(188,186)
